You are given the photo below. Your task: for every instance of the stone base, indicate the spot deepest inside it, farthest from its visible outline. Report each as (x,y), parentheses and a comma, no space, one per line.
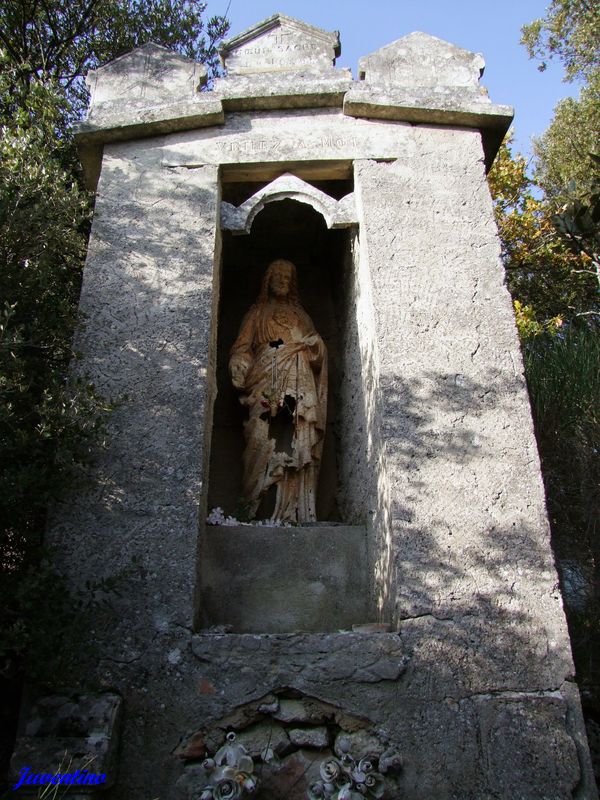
(258,579)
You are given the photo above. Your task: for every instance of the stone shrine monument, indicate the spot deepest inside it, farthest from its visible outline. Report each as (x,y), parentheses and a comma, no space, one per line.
(325,250)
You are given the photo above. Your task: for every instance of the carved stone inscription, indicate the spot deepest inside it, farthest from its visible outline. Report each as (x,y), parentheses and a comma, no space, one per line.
(280,44)
(298,136)
(277,50)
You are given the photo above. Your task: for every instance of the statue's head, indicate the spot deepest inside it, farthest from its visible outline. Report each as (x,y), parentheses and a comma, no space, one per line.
(280,281)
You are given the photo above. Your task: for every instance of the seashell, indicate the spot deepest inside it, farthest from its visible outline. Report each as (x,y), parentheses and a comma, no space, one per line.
(330,770)
(227,790)
(316,791)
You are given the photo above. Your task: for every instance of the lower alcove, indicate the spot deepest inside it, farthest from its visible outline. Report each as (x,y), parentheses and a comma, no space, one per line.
(263,579)
(326,575)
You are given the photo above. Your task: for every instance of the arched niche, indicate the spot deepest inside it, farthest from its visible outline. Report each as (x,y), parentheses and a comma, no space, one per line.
(336,213)
(316,577)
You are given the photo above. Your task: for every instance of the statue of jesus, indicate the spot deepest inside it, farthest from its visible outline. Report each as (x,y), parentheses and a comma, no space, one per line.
(279,363)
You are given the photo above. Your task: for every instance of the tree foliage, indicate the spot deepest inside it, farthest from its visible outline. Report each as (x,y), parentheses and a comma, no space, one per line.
(565,166)
(551,284)
(563,375)
(568,153)
(43,218)
(570,31)
(61,40)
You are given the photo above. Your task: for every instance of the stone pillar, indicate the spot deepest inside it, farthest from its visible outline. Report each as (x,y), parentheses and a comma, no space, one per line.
(471,586)
(147,296)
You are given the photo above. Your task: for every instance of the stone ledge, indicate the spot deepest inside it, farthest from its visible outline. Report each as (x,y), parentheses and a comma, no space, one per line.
(463,109)
(288,90)
(113,126)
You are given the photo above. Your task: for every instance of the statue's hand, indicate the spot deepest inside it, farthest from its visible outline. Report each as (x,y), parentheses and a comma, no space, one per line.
(311,341)
(238,375)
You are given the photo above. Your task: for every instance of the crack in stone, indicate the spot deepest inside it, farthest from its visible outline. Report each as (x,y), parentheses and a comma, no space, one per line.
(425,615)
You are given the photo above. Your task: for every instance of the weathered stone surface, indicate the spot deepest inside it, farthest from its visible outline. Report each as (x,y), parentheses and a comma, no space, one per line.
(443,416)
(264,725)
(260,739)
(360,744)
(280,43)
(315,663)
(299,711)
(438,737)
(422,60)
(288,137)
(147,295)
(450,107)
(372,627)
(545,755)
(422,79)
(148,76)
(118,122)
(70,734)
(150,90)
(284,579)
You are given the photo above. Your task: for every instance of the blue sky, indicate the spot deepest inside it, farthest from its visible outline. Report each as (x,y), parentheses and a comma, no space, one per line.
(484,26)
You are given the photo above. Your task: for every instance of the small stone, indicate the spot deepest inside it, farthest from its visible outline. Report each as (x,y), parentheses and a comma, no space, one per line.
(269,707)
(193,748)
(300,711)
(260,738)
(309,737)
(206,687)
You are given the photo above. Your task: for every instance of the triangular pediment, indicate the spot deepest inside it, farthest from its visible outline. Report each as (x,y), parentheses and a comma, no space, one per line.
(421,60)
(280,44)
(149,75)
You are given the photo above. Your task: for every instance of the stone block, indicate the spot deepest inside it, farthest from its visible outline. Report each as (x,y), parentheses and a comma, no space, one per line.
(422,60)
(148,76)
(309,737)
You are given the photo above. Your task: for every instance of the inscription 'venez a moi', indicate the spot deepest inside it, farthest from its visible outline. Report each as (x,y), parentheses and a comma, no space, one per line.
(271,145)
